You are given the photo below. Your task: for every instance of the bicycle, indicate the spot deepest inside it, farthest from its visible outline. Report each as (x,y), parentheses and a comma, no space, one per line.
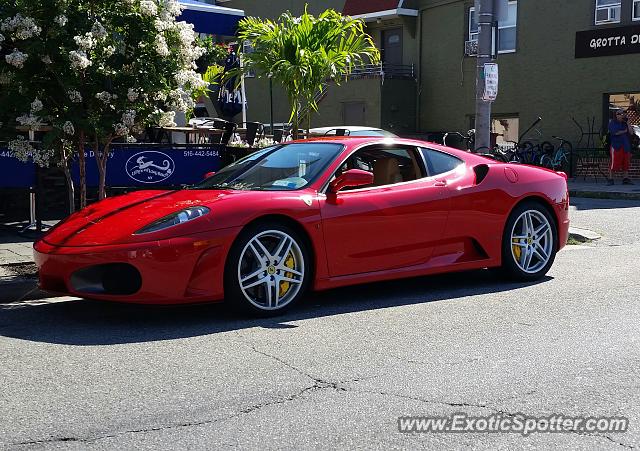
(468,139)
(559,158)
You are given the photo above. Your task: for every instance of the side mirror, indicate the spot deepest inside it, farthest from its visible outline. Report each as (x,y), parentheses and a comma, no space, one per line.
(351,178)
(209,174)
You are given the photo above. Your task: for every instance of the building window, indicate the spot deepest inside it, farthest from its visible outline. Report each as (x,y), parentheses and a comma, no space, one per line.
(608,11)
(507,29)
(636,9)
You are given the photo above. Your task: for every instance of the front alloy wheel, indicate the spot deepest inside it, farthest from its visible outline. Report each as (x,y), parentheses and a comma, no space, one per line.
(267,269)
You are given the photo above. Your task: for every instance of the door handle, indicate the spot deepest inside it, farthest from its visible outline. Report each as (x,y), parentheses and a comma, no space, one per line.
(440,183)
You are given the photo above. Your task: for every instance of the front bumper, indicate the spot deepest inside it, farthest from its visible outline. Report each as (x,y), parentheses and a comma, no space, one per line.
(177,270)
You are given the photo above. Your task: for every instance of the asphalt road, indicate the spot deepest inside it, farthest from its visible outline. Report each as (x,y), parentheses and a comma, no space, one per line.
(338,371)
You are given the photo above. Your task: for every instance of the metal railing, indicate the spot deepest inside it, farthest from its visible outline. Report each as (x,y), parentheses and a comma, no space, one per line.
(384,71)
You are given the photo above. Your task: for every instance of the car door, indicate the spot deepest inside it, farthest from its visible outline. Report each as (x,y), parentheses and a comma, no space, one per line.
(394,224)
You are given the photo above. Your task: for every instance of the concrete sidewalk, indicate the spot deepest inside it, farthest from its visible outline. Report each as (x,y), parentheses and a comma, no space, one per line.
(18,273)
(598,189)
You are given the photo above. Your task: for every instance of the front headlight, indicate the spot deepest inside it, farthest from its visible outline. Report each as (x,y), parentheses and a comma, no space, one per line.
(186,215)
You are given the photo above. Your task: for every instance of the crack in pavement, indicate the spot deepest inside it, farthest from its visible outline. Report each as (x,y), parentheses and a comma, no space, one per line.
(318,385)
(490,408)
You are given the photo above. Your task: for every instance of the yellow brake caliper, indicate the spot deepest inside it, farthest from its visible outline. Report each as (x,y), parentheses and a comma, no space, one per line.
(517,250)
(284,286)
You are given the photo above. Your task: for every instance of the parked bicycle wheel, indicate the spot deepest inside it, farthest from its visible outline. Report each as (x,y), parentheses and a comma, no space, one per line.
(547,161)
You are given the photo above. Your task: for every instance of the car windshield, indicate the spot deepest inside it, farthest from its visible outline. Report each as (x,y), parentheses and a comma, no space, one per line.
(278,168)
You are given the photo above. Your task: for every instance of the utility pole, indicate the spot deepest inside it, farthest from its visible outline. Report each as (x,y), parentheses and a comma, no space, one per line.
(485,19)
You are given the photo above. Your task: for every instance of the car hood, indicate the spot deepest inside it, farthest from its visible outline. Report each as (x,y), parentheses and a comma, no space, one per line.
(115,220)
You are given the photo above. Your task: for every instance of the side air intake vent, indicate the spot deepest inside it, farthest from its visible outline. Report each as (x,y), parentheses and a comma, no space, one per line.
(481,172)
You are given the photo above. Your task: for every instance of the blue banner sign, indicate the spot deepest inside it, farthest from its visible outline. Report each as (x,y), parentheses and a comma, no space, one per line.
(153,166)
(139,166)
(14,173)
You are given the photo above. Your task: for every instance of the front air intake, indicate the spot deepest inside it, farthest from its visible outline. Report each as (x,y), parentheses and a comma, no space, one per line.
(111,278)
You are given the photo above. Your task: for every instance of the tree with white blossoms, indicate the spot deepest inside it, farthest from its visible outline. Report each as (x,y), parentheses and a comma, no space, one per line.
(91,72)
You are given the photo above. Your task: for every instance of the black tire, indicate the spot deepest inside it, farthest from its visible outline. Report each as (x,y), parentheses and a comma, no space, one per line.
(234,295)
(510,267)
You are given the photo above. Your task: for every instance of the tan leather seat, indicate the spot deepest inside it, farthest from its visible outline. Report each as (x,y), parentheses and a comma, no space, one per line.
(386,171)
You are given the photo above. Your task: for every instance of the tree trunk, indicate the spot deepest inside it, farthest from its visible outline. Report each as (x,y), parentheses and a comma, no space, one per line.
(71,192)
(308,122)
(83,170)
(101,159)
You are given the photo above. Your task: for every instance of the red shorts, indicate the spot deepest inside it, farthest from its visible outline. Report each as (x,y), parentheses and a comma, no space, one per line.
(620,160)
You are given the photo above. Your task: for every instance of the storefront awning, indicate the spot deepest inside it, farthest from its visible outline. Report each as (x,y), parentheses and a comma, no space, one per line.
(377,9)
(211,19)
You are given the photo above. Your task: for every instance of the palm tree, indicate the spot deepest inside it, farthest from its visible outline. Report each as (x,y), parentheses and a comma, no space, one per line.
(304,53)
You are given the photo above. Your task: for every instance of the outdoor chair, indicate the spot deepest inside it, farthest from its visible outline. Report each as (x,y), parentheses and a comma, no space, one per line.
(255,130)
(229,129)
(278,135)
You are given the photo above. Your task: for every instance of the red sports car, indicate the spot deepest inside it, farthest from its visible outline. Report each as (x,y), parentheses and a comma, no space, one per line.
(305,215)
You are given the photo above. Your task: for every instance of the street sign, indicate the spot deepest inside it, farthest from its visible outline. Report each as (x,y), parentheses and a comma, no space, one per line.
(490,82)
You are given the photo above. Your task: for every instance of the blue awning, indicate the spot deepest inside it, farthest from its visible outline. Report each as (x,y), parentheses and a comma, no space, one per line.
(211,19)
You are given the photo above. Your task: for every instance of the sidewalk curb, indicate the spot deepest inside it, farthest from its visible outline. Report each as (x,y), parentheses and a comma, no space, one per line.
(20,289)
(604,195)
(583,235)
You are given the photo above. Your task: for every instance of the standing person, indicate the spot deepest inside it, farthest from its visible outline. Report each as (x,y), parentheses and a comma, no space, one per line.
(620,150)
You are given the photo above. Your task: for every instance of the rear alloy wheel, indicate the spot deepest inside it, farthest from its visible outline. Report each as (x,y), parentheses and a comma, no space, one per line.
(267,270)
(529,242)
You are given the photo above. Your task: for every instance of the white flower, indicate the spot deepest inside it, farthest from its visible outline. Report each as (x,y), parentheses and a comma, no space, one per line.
(109,51)
(1,41)
(86,42)
(68,128)
(29,120)
(160,96)
(180,100)
(23,151)
(166,119)
(264,142)
(75,96)
(148,8)
(21,148)
(105,96)
(36,106)
(131,139)
(171,8)
(98,31)
(161,46)
(132,95)
(16,58)
(46,59)
(20,27)
(61,20)
(79,60)
(121,129)
(129,118)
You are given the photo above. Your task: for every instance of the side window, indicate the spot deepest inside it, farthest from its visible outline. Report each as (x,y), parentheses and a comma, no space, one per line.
(439,162)
(389,165)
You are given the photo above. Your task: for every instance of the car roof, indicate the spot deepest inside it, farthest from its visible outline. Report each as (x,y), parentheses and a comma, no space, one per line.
(354,128)
(353,142)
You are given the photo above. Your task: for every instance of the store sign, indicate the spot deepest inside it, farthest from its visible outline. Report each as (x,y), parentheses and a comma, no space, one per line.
(490,82)
(127,167)
(140,166)
(608,42)
(14,173)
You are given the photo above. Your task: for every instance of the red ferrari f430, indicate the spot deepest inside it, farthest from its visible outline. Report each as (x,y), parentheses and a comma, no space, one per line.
(313,214)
